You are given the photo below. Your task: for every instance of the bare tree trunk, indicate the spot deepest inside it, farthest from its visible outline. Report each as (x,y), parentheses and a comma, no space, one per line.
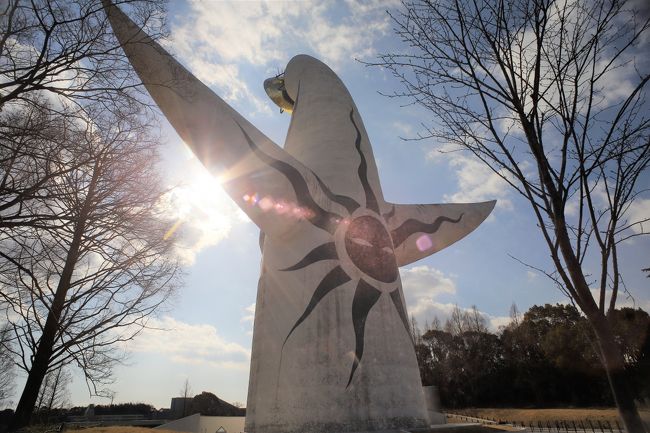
(42,357)
(44,352)
(610,353)
(55,387)
(616,375)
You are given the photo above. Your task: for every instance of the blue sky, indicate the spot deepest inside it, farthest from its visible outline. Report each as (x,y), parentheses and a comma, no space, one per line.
(233,47)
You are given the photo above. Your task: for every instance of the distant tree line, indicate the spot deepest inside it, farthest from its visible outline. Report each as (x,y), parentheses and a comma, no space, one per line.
(60,414)
(144,409)
(544,358)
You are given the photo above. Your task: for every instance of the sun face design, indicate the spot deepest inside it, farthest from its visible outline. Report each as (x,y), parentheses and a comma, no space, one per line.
(363,249)
(370,248)
(361,244)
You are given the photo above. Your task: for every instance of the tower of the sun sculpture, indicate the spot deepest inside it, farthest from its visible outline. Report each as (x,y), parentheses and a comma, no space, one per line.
(331,350)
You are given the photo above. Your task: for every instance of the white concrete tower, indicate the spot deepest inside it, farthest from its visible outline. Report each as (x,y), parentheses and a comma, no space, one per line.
(331,350)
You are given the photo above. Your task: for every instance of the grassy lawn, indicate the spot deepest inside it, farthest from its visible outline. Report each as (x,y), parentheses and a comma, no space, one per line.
(52,428)
(542,415)
(122,429)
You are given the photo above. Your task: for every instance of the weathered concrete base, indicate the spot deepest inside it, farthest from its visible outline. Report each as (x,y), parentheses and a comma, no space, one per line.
(432,401)
(375,425)
(436,418)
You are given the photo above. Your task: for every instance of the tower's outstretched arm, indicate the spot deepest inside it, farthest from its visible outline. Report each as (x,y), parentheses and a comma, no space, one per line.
(419,230)
(250,165)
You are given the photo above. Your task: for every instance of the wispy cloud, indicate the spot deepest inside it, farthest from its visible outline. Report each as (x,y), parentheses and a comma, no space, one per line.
(424,285)
(217,40)
(475,180)
(638,215)
(249,318)
(186,343)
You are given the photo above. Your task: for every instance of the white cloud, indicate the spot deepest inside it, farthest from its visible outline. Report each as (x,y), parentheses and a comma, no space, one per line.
(497,322)
(249,318)
(422,285)
(476,181)
(638,214)
(217,39)
(405,129)
(623,298)
(185,343)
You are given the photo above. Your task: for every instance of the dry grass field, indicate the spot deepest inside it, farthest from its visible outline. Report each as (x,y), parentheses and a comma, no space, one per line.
(121,429)
(528,416)
(51,428)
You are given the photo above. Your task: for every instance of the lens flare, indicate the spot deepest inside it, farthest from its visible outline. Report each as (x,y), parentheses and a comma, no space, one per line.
(424,243)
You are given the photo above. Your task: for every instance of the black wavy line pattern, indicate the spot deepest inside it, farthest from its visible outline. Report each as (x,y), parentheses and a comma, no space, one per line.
(411,226)
(322,219)
(347,202)
(365,297)
(371,200)
(390,214)
(399,306)
(322,252)
(331,281)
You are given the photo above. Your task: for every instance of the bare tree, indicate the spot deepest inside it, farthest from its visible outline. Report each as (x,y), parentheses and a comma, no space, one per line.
(551,96)
(35,149)
(6,364)
(456,322)
(54,393)
(416,334)
(515,316)
(78,289)
(186,394)
(475,321)
(62,47)
(82,246)
(464,321)
(56,54)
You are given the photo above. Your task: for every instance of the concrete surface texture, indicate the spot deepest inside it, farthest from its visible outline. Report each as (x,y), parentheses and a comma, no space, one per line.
(331,349)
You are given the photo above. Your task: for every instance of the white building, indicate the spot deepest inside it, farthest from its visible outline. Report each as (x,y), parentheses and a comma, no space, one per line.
(198,423)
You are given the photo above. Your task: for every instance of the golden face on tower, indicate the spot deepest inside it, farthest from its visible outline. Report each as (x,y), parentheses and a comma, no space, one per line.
(276,90)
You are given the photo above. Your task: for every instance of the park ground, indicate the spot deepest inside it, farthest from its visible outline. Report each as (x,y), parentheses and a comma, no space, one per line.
(525,416)
(528,416)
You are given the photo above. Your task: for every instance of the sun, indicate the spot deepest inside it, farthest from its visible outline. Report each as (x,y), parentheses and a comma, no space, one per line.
(200,208)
